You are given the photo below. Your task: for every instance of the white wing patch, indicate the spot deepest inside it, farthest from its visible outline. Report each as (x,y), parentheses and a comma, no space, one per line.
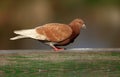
(30,33)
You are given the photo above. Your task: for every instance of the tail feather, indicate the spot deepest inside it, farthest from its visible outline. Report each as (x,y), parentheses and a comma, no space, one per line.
(29,33)
(24,32)
(18,37)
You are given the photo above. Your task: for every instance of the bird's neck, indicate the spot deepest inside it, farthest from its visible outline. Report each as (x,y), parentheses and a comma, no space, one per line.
(76,31)
(75,28)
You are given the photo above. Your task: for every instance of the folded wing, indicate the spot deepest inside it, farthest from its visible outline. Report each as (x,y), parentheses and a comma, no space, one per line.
(55,32)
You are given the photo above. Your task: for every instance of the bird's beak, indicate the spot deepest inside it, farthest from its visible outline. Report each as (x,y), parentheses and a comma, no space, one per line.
(83,26)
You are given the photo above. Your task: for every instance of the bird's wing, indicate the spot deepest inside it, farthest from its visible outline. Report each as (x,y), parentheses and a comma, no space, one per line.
(55,32)
(30,33)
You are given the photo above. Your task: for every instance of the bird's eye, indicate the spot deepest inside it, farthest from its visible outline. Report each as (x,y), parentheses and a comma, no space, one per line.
(80,22)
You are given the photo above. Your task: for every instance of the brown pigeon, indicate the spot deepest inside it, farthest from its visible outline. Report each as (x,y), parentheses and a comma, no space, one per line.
(53,34)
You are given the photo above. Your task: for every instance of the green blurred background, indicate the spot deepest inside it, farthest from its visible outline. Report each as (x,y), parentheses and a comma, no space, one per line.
(102,18)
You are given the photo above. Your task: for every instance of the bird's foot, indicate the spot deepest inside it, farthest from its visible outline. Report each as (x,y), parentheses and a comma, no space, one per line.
(57,49)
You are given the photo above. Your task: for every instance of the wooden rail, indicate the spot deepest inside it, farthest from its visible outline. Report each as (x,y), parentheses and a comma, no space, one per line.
(68,50)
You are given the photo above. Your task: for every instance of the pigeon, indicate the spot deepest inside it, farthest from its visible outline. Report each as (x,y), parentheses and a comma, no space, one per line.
(53,34)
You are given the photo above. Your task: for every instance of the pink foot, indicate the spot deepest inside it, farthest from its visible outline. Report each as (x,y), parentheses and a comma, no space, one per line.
(58,49)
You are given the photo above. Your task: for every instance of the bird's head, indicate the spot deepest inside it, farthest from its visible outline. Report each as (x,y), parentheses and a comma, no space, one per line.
(78,22)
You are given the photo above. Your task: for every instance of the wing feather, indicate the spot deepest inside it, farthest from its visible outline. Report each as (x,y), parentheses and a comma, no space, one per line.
(55,32)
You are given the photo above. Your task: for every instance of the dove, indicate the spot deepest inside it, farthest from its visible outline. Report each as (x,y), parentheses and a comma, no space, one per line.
(53,34)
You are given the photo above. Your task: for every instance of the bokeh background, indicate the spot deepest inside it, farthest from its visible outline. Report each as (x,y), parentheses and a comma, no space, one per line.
(102,18)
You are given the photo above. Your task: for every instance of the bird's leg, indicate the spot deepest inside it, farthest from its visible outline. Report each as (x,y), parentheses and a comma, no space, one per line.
(56,48)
